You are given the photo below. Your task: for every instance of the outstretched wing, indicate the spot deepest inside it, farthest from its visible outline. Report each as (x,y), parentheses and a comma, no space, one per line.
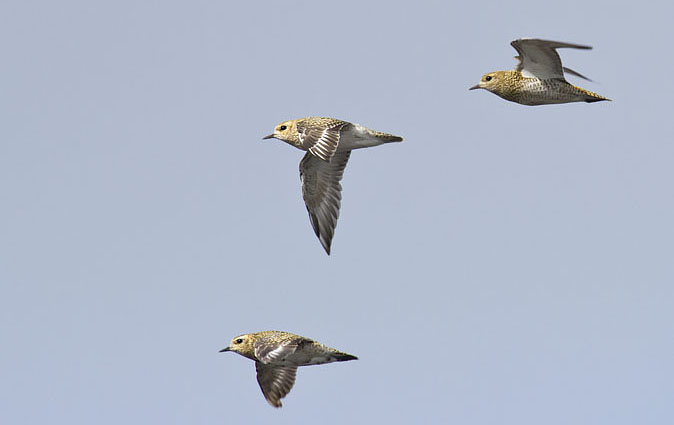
(322,192)
(320,136)
(538,58)
(270,350)
(577,74)
(275,381)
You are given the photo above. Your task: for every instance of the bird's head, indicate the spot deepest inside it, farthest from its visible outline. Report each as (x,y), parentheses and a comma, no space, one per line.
(242,344)
(489,82)
(286,131)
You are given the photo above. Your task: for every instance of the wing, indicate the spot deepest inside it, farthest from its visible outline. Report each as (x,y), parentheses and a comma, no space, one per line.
(538,58)
(268,350)
(320,137)
(275,381)
(322,193)
(577,74)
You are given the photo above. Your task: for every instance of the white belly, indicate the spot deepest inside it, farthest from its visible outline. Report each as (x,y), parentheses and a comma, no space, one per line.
(356,137)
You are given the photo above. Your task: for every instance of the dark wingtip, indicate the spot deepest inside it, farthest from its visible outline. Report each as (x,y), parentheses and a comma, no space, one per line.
(317,230)
(326,245)
(596,100)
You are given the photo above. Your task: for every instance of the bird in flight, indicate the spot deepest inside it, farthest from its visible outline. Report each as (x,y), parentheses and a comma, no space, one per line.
(277,356)
(328,143)
(538,78)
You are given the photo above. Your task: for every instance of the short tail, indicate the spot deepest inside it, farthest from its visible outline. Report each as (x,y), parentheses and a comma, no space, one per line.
(596,99)
(343,357)
(386,137)
(591,97)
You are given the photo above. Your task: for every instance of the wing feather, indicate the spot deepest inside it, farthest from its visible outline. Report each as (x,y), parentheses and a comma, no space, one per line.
(577,74)
(321,138)
(269,350)
(275,381)
(538,58)
(322,192)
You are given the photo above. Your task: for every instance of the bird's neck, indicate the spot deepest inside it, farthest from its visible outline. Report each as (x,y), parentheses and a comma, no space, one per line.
(511,85)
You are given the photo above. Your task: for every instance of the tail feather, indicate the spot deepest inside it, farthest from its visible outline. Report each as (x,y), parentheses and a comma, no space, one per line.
(385,137)
(390,138)
(591,97)
(343,357)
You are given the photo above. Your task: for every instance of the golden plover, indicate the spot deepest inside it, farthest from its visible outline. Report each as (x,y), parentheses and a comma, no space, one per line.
(277,356)
(328,142)
(538,78)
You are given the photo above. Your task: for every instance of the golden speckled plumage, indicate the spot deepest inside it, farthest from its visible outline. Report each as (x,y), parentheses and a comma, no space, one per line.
(538,78)
(277,356)
(328,143)
(293,131)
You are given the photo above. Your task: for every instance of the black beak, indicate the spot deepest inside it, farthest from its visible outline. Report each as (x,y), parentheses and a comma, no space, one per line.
(476,86)
(271,136)
(224,349)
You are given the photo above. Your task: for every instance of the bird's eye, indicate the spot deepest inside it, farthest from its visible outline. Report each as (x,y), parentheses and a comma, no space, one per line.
(283,127)
(487,78)
(238,341)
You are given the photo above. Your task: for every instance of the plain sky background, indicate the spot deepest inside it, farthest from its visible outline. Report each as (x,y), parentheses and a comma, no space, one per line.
(503,265)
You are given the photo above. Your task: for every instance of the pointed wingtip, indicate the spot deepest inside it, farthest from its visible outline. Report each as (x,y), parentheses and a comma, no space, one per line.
(325,243)
(576,73)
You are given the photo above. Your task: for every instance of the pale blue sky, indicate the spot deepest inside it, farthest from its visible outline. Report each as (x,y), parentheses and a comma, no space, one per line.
(503,265)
